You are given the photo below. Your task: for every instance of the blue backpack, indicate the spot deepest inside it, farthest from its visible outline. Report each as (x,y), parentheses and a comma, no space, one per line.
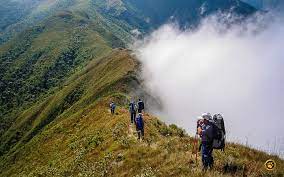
(113,106)
(139,122)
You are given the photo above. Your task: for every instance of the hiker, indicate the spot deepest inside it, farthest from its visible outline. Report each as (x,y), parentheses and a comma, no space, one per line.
(132,111)
(206,133)
(140,105)
(140,126)
(112,107)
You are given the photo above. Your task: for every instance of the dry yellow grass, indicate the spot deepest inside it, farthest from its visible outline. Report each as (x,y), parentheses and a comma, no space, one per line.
(84,139)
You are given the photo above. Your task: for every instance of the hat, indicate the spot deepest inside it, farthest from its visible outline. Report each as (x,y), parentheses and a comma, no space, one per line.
(206,116)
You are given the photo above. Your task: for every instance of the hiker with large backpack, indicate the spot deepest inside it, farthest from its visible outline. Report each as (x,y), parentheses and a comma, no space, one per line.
(139,122)
(206,132)
(132,111)
(212,133)
(140,105)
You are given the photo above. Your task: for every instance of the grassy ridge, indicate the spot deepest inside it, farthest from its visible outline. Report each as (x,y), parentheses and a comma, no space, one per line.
(86,86)
(94,143)
(72,133)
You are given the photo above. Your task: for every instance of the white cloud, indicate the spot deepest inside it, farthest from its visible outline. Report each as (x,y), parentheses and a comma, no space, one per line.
(237,72)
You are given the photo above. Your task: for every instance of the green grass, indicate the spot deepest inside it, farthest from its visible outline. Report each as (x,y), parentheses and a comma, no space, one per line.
(39,60)
(95,143)
(72,133)
(84,87)
(58,75)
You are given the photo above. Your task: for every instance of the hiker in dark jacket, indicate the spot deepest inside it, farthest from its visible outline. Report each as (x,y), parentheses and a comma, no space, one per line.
(140,126)
(132,111)
(206,133)
(140,106)
(112,107)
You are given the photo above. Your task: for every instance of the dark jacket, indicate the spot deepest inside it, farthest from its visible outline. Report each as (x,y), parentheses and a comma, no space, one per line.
(207,133)
(140,105)
(132,108)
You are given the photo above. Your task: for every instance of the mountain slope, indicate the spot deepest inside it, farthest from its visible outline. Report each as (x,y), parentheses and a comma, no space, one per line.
(32,12)
(121,16)
(277,5)
(65,35)
(39,59)
(91,83)
(186,12)
(72,133)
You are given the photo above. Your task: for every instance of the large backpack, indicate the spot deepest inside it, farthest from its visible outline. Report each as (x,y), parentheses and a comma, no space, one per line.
(219,132)
(139,122)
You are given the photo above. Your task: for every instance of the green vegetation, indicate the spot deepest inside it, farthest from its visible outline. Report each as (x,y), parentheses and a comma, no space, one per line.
(39,59)
(119,16)
(72,133)
(62,62)
(96,80)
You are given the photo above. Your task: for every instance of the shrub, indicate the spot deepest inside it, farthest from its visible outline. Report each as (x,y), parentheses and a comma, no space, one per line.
(165,131)
(118,131)
(177,131)
(147,172)
(95,140)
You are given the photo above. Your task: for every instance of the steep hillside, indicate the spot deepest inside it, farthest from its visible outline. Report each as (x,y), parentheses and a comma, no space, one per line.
(72,133)
(119,16)
(18,15)
(98,78)
(39,59)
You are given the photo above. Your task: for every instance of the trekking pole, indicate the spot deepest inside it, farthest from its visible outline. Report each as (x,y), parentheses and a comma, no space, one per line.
(196,142)
(196,148)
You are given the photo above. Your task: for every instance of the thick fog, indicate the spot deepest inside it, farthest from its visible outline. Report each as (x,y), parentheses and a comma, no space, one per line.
(236,71)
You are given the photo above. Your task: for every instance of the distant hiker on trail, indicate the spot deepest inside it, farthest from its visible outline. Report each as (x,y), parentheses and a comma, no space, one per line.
(140,105)
(112,107)
(140,126)
(132,111)
(206,133)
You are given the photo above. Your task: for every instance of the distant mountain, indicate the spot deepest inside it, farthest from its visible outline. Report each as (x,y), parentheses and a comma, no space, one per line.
(277,5)
(121,15)
(186,12)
